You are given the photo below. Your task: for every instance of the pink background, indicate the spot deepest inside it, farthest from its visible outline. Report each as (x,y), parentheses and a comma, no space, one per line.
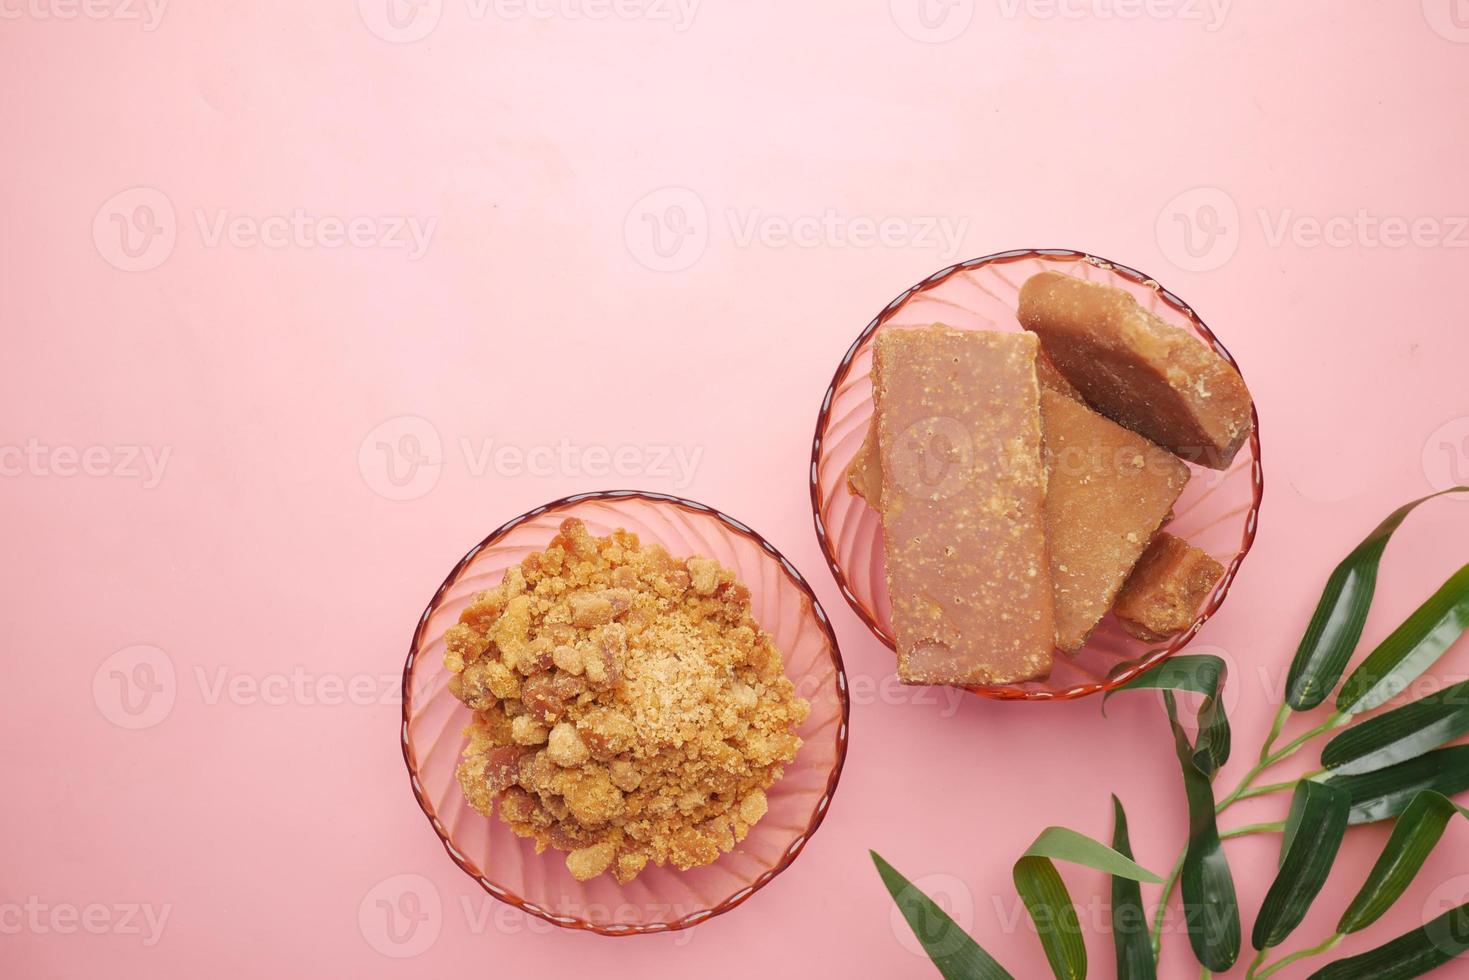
(270,824)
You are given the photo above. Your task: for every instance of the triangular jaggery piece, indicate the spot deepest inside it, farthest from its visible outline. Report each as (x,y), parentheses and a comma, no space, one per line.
(1133,367)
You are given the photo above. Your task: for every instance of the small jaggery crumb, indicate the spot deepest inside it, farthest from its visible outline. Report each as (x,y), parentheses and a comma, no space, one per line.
(627,706)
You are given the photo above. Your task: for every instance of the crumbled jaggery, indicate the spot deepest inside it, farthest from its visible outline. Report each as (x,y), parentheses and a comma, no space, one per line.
(627,707)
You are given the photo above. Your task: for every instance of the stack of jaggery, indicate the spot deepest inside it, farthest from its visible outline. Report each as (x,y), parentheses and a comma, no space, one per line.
(1024,479)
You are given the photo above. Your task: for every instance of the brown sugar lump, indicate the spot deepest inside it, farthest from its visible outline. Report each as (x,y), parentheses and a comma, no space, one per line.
(1136,369)
(1108,492)
(963,502)
(864,473)
(1164,592)
(627,706)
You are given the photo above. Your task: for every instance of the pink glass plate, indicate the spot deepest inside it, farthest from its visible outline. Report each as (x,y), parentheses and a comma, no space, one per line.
(1217,512)
(660,899)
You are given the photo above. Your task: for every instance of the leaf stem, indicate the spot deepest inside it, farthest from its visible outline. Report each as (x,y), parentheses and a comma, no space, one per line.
(1239,791)
(1268,759)
(1276,728)
(1255,964)
(1254,791)
(1330,943)
(1278,827)
(1337,719)
(1161,912)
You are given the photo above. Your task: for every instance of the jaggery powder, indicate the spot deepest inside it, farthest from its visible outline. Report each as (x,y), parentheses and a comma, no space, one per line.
(627,707)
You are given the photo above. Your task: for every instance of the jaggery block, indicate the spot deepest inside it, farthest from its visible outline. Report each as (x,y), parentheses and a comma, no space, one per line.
(963,515)
(1138,370)
(1163,593)
(864,473)
(1108,492)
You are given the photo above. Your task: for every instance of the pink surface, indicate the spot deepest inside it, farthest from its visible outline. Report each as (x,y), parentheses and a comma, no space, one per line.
(243,444)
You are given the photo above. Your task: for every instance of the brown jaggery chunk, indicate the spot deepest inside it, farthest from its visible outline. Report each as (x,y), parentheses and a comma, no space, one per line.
(627,706)
(1163,593)
(1108,492)
(1051,378)
(1138,370)
(864,472)
(963,489)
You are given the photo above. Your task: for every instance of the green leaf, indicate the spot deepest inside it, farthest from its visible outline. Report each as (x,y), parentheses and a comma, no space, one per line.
(1385,793)
(1200,674)
(1129,921)
(1049,903)
(1065,844)
(1292,824)
(1318,823)
(1400,734)
(1336,626)
(1209,903)
(1414,837)
(1411,649)
(957,956)
(1412,955)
